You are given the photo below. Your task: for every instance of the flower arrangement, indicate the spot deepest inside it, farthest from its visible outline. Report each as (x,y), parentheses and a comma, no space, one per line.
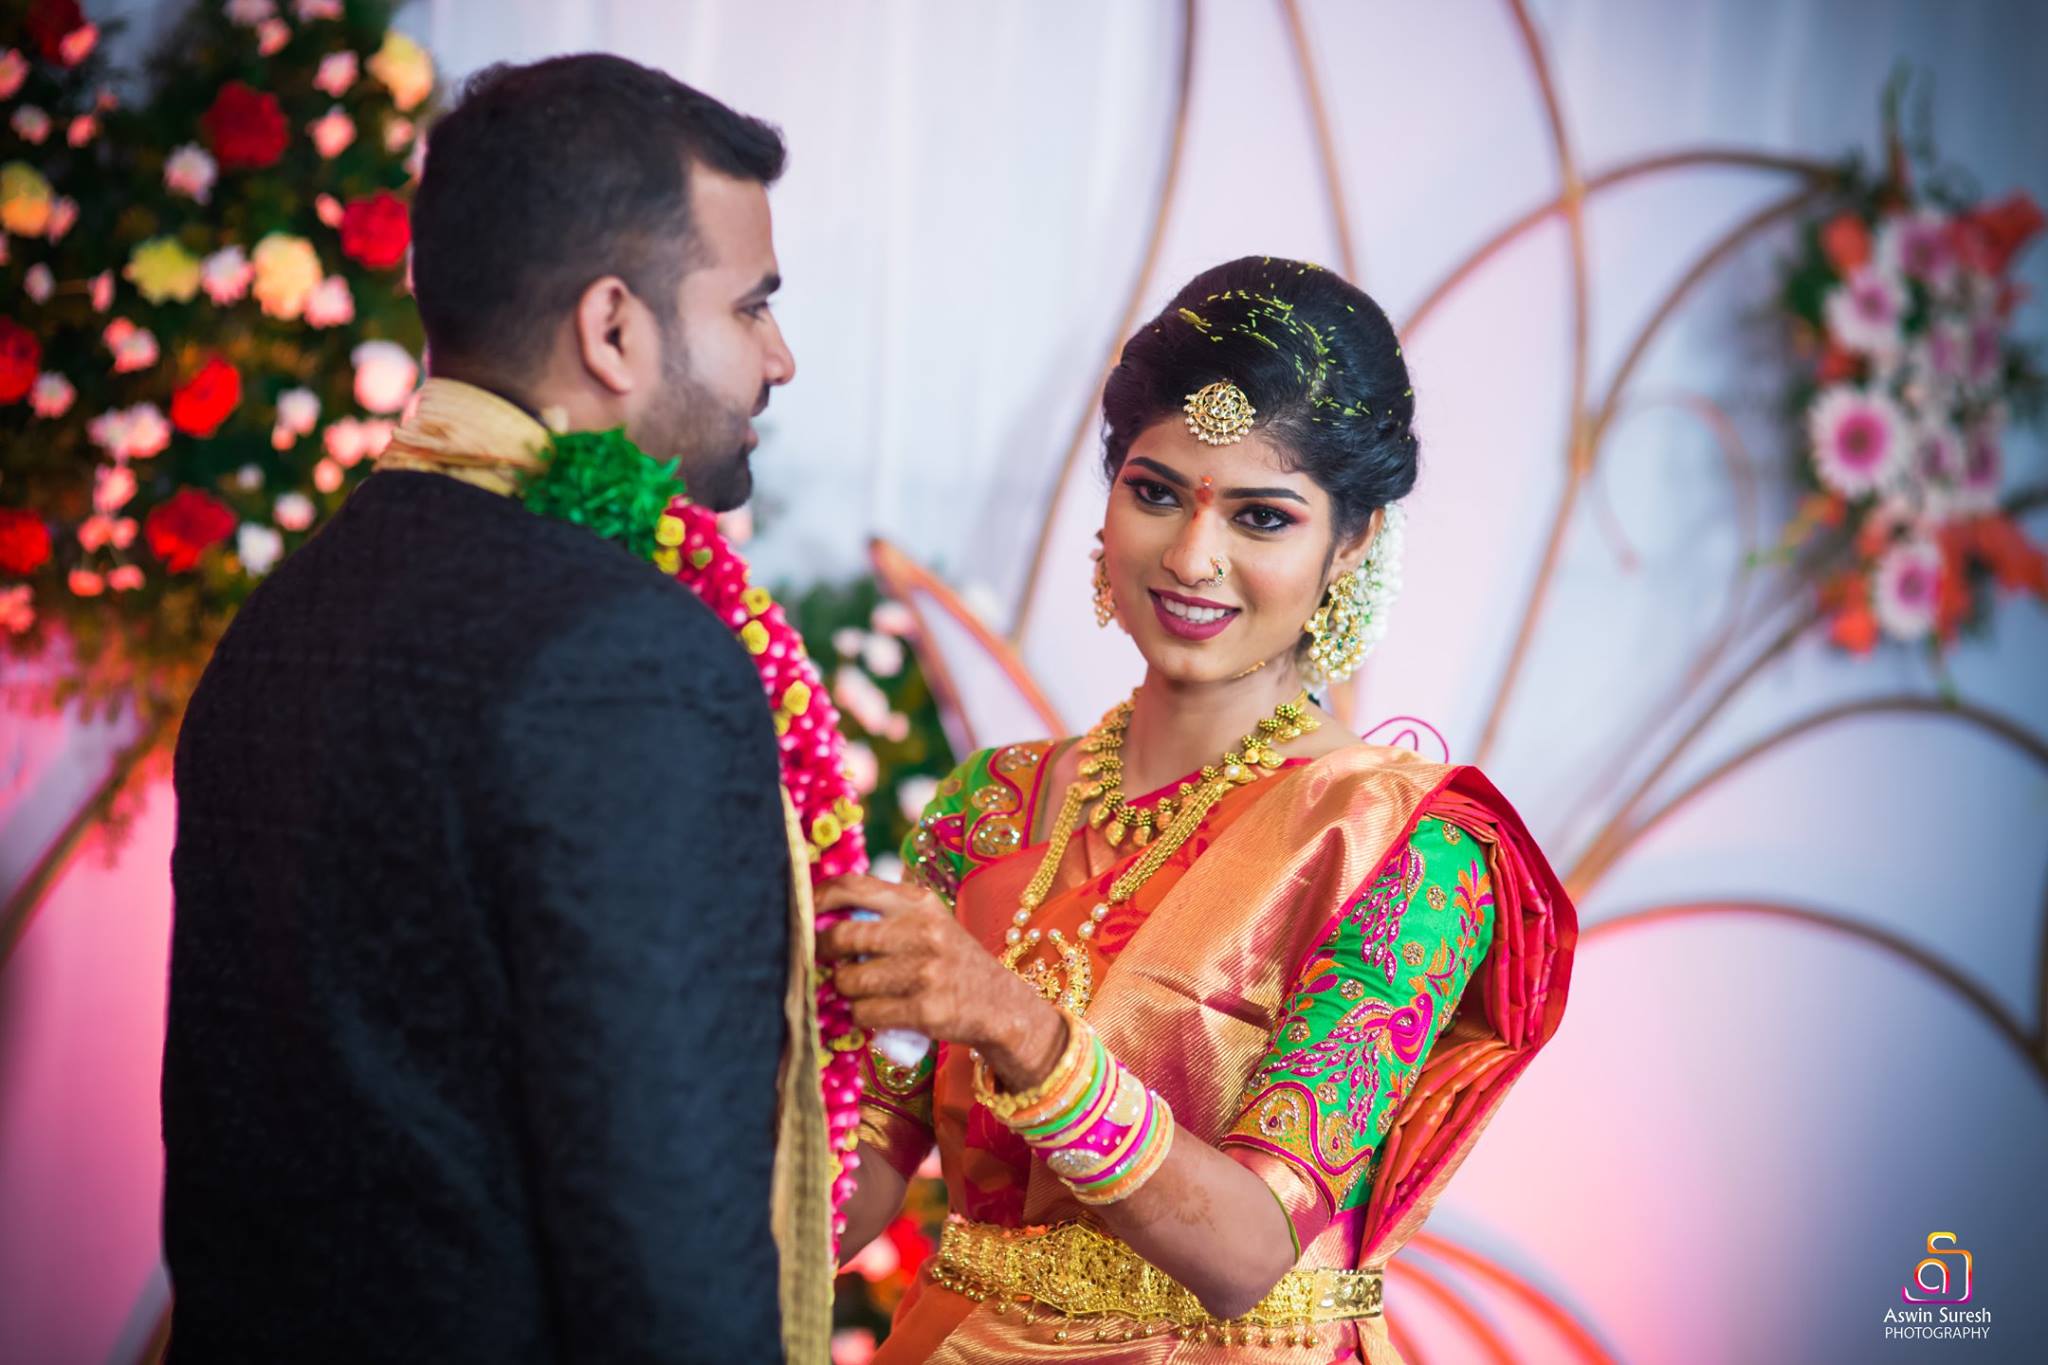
(204,325)
(1901,299)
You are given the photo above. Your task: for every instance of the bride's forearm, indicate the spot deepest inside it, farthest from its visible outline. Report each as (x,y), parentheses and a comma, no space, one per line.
(877,1198)
(1209,1223)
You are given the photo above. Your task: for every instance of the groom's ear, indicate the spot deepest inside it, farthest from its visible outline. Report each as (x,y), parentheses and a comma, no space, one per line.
(610,325)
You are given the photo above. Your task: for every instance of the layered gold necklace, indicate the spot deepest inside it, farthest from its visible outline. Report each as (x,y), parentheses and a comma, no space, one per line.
(1159,829)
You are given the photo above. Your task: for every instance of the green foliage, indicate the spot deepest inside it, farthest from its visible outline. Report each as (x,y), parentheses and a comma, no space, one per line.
(601,480)
(829,615)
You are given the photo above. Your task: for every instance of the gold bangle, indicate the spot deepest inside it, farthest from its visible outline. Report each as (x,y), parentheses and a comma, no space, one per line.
(1061,1086)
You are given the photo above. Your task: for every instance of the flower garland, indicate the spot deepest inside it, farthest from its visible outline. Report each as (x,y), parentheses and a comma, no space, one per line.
(601,480)
(814,772)
(1902,302)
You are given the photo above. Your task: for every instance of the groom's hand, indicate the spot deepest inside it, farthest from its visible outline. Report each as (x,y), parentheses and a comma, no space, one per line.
(919,969)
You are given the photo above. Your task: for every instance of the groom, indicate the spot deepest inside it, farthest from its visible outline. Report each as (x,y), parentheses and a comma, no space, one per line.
(482,938)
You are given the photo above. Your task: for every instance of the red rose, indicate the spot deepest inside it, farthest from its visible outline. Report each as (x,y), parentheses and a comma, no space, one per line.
(50,22)
(1987,238)
(376,231)
(21,355)
(1846,243)
(246,128)
(24,542)
(182,529)
(207,399)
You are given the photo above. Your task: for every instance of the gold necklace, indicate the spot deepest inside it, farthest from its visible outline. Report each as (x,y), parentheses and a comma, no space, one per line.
(1100,780)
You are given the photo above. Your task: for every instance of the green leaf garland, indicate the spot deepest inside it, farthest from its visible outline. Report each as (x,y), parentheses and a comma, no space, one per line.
(601,480)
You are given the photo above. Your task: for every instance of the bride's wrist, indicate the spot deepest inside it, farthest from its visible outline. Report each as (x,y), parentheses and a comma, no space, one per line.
(1028,1049)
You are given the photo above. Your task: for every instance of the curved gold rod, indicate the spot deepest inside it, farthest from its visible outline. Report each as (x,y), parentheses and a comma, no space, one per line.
(1701,268)
(1591,868)
(1490,1345)
(1571,202)
(1532,1298)
(1575,879)
(1628,170)
(1589,435)
(1326,143)
(1176,147)
(2030,1047)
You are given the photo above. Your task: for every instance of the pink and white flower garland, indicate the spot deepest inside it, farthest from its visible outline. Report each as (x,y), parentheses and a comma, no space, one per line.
(814,772)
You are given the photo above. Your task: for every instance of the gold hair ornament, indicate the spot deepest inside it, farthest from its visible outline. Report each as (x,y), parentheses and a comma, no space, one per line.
(1219,414)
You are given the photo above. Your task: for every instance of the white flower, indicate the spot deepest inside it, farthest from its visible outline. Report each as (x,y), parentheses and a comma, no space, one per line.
(250,13)
(1917,246)
(330,304)
(1863,315)
(113,487)
(352,440)
(913,794)
(190,170)
(863,770)
(134,347)
(1983,465)
(225,275)
(398,132)
(13,71)
(258,547)
(338,71)
(332,132)
(859,698)
(249,477)
(892,618)
(63,213)
(294,511)
(385,375)
(1859,440)
(131,433)
(18,613)
(52,395)
(1907,590)
(883,656)
(31,124)
(271,36)
(848,641)
(39,283)
(298,411)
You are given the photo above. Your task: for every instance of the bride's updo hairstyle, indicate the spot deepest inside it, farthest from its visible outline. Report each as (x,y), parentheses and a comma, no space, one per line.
(1316,357)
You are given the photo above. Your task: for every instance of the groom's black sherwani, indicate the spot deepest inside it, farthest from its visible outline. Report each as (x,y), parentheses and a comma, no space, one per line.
(479,957)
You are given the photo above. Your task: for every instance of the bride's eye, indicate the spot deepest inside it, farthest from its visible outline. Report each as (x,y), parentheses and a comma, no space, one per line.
(1262,518)
(1150,493)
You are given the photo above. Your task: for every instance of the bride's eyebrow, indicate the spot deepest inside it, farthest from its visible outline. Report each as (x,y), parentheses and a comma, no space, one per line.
(1179,480)
(1172,476)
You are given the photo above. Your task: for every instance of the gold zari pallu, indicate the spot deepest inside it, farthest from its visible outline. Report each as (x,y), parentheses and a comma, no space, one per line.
(1073,1271)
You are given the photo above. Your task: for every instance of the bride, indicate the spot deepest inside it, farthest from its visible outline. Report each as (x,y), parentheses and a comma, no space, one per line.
(1223,996)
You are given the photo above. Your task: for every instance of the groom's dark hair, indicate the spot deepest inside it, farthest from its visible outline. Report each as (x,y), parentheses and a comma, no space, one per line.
(547,176)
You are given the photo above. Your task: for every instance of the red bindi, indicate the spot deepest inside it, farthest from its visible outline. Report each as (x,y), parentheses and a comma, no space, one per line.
(1206,494)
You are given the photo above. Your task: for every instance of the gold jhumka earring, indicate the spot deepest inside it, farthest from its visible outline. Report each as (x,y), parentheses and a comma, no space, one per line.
(1104,602)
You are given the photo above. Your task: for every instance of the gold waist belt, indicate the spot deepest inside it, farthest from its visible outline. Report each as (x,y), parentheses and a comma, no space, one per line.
(1076,1272)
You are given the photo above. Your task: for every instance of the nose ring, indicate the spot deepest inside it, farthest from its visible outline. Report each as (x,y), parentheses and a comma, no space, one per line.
(1222,571)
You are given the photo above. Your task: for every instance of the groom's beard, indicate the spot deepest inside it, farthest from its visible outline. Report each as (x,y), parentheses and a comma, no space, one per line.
(691,425)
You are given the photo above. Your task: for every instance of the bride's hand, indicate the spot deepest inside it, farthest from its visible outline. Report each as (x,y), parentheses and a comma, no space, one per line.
(923,971)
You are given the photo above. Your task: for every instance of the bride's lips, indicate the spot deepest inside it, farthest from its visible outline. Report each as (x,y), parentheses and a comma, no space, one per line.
(1182,627)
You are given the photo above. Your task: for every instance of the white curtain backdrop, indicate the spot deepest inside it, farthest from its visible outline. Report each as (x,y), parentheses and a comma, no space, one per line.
(1747,1127)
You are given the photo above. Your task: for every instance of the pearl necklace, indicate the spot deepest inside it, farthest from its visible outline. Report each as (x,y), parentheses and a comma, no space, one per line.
(1100,780)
